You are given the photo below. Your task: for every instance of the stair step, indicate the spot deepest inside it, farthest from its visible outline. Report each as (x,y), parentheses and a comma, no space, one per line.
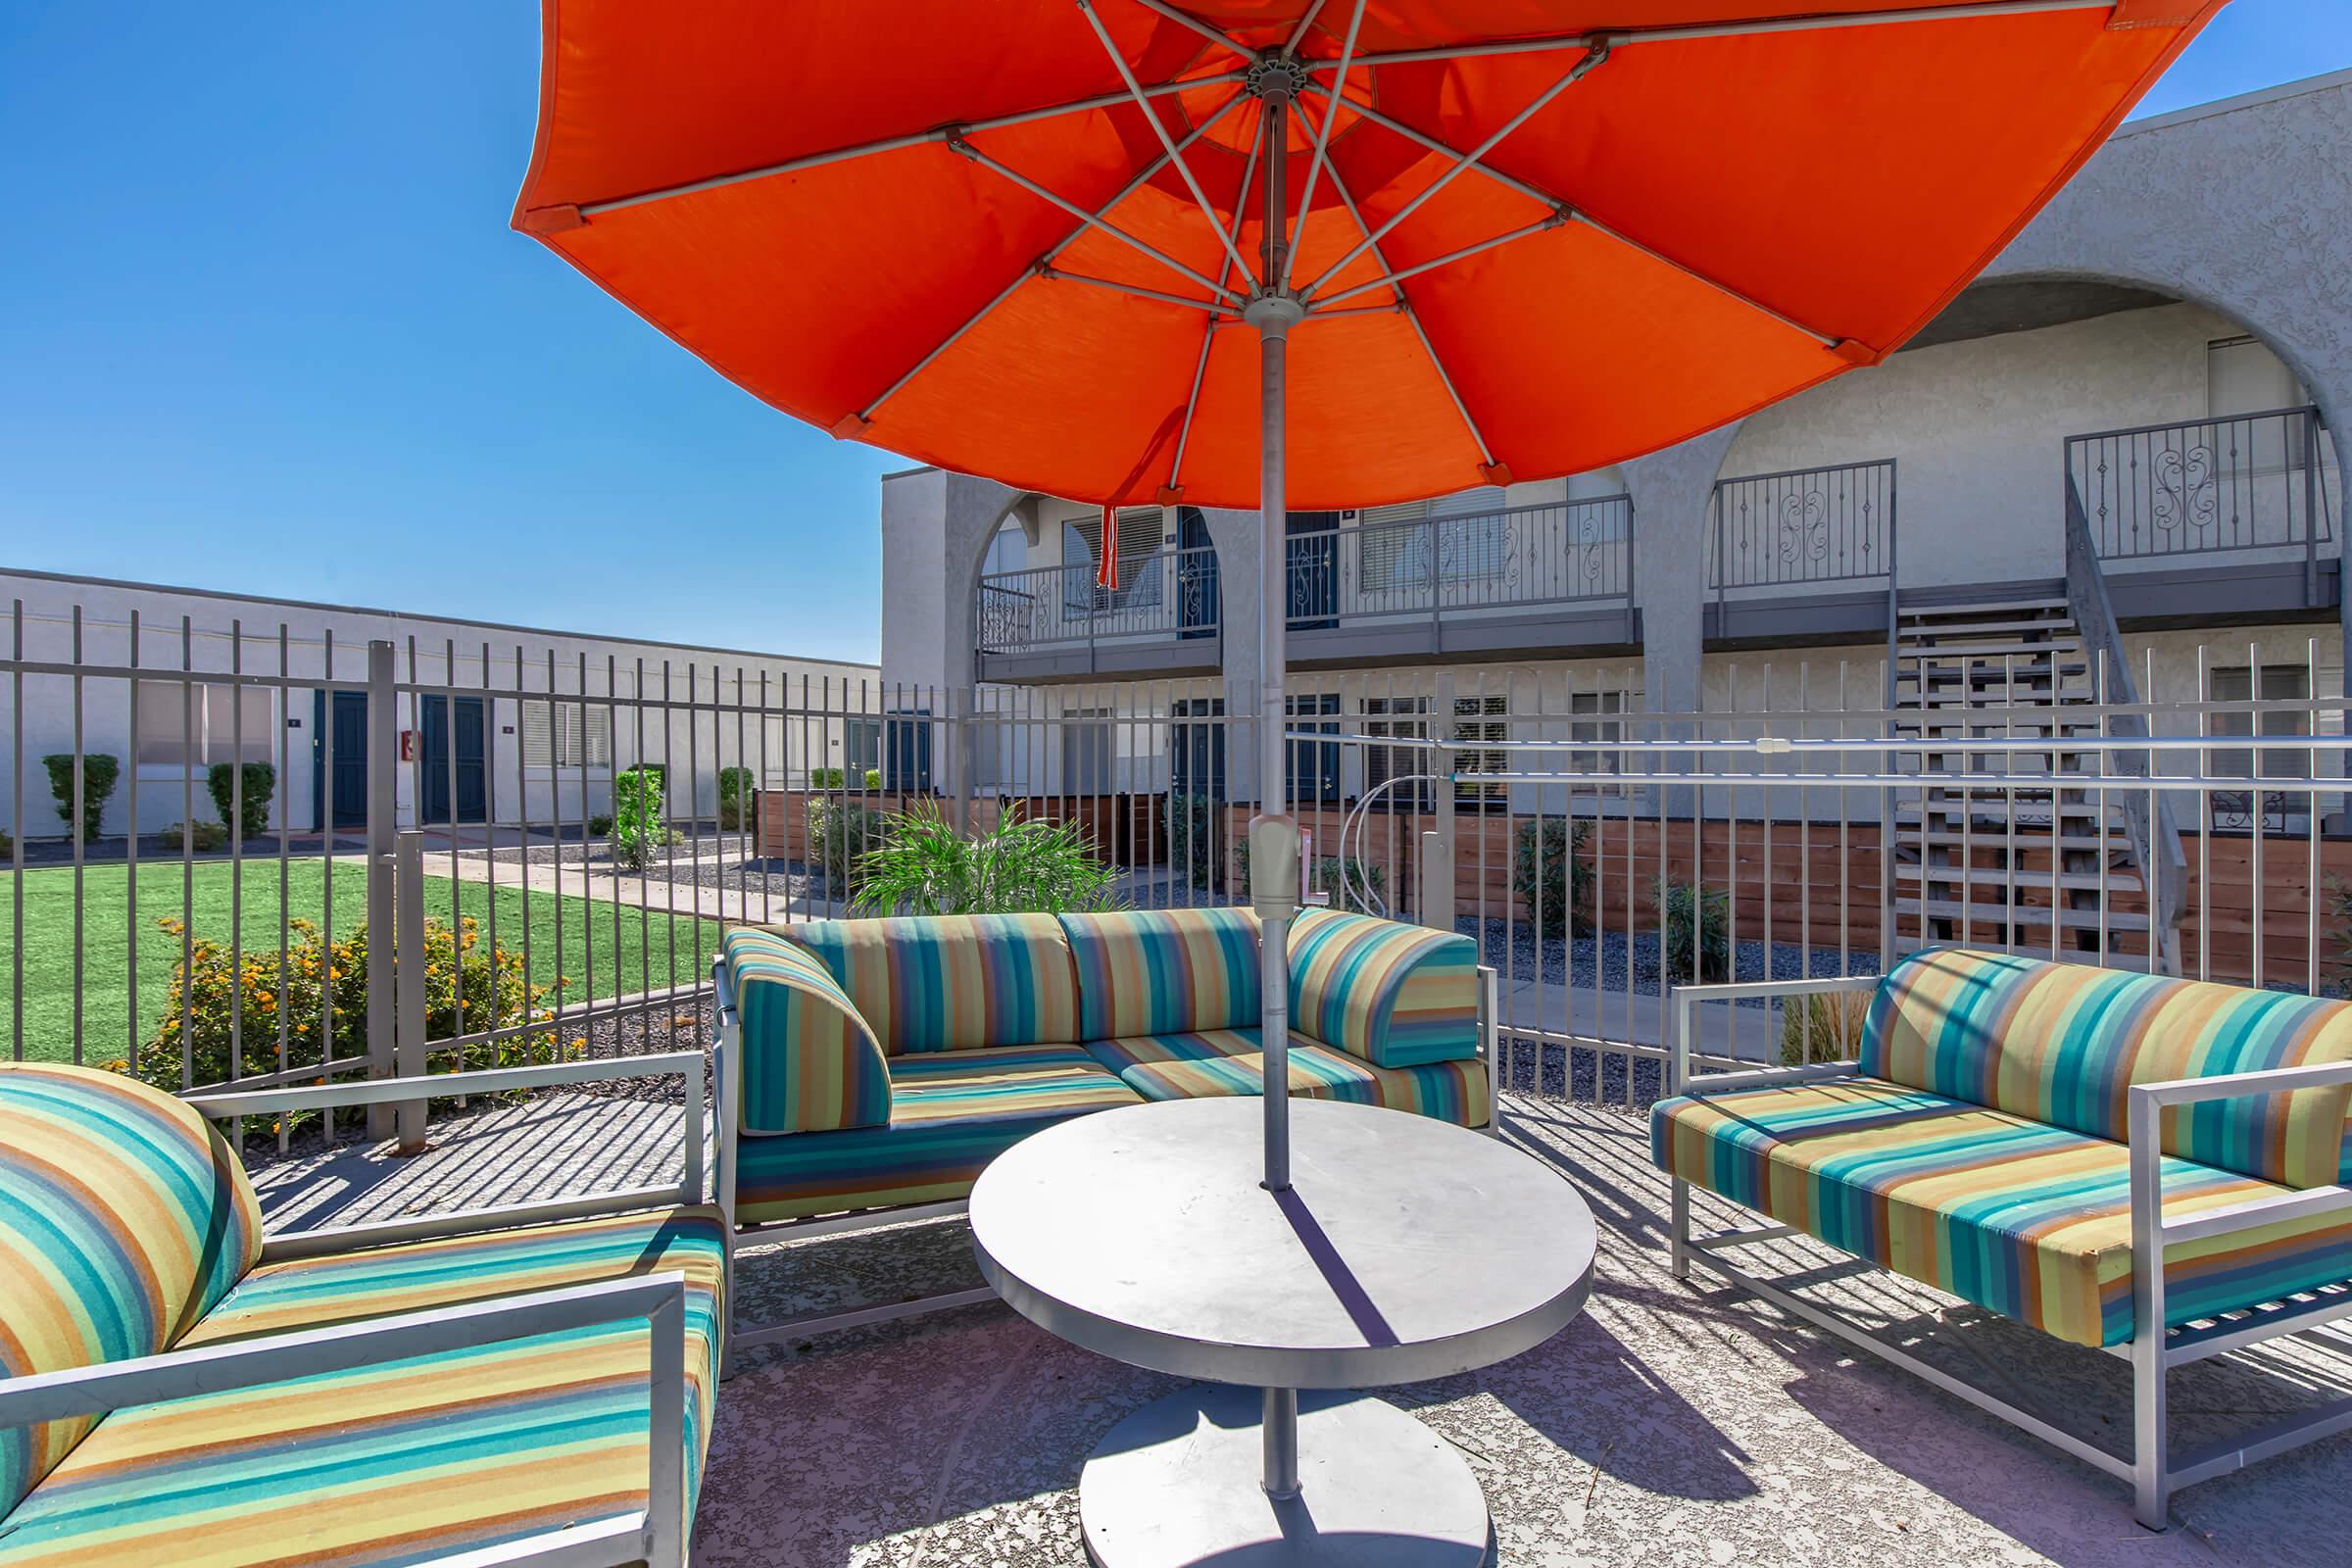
(2063,624)
(2027,914)
(1916,610)
(2029,838)
(1940,647)
(2074,694)
(2118,879)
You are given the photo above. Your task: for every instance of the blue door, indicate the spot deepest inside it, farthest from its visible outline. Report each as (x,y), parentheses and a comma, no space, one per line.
(1313,548)
(342,786)
(453,760)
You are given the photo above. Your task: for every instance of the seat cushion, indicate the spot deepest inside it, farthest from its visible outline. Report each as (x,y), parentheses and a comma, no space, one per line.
(407,1462)
(953,982)
(124,1217)
(810,1061)
(2062,1043)
(2030,1220)
(1154,971)
(950,1113)
(1228,1062)
(1389,994)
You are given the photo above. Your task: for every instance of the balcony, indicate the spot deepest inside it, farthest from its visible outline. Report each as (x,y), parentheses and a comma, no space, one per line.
(1556,577)
(2213,516)
(1804,555)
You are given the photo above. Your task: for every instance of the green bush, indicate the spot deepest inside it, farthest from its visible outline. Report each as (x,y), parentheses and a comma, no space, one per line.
(599,827)
(637,826)
(824,778)
(1197,835)
(259,783)
(734,795)
(873,779)
(222,1010)
(1559,880)
(1023,866)
(98,774)
(840,833)
(202,838)
(1823,1028)
(1682,906)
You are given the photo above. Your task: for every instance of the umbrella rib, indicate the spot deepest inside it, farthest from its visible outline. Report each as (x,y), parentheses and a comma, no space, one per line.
(1537,193)
(1208,332)
(1622,38)
(1184,18)
(1298,34)
(1160,129)
(1404,305)
(1539,226)
(1462,161)
(965,149)
(866,414)
(1214,307)
(1330,115)
(892,144)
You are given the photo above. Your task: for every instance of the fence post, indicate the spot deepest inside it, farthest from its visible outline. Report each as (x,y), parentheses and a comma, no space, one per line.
(383,802)
(407,983)
(1437,860)
(961,753)
(2311,509)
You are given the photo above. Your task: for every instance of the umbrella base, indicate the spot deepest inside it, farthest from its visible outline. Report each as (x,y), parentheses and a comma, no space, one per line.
(1179,1483)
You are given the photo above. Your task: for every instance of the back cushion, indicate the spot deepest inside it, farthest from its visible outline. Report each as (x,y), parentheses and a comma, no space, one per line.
(951,981)
(124,1217)
(810,1063)
(1393,995)
(2061,1042)
(1164,971)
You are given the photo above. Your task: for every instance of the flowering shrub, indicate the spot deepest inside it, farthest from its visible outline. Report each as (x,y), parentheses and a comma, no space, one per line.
(469,986)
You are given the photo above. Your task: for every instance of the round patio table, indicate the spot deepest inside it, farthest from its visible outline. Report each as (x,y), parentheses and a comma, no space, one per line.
(1405,1248)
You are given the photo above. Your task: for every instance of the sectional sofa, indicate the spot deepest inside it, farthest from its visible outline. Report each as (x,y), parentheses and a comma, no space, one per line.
(2153,1167)
(869,1069)
(524,1385)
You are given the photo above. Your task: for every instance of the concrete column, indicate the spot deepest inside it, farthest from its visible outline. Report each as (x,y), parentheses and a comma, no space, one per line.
(936,529)
(1237,536)
(1670,491)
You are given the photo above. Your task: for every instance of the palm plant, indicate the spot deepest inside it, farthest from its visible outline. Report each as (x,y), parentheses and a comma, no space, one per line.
(1022,865)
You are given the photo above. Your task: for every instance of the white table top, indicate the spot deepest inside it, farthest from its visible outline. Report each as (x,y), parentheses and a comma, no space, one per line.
(1408,1247)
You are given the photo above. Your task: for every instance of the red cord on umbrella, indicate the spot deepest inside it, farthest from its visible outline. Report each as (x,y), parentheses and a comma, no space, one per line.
(1107,574)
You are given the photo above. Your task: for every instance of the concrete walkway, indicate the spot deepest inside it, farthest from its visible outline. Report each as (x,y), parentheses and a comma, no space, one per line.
(1587,1012)
(1670,1425)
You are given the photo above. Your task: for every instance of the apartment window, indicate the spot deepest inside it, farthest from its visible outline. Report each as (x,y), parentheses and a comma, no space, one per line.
(1008,552)
(1403,718)
(1477,720)
(1467,535)
(199,725)
(1594,731)
(1086,751)
(2274,809)
(1140,535)
(559,735)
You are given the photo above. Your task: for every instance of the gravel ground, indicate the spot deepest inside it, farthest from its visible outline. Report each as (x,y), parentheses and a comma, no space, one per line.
(1603,960)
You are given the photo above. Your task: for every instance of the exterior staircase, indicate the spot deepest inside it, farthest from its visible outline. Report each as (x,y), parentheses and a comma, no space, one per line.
(2029,868)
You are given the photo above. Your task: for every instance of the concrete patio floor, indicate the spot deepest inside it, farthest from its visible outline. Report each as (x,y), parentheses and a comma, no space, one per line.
(1668,1425)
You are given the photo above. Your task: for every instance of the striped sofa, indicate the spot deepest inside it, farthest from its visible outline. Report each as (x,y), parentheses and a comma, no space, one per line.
(494,1392)
(2026,1135)
(881,1063)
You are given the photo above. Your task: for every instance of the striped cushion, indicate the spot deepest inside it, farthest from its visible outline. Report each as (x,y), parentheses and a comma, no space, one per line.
(124,1217)
(1393,995)
(810,1061)
(403,1463)
(953,982)
(2030,1220)
(2061,1042)
(1228,1062)
(1152,971)
(950,1113)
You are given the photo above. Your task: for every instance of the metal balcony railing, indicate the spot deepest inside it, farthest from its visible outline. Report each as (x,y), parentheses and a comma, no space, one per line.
(1518,557)
(1168,594)
(2252,482)
(1802,528)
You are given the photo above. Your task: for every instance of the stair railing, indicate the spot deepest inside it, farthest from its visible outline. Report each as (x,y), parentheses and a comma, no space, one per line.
(2150,824)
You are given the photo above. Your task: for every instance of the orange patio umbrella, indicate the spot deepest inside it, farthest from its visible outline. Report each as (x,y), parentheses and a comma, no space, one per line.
(1330,252)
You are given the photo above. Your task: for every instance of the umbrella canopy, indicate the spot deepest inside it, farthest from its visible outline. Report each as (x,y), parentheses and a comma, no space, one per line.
(1013,236)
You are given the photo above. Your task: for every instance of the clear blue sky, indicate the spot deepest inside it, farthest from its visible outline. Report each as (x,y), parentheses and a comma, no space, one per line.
(265,328)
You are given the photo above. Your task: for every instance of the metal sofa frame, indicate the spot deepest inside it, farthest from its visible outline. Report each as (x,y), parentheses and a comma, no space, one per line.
(657,1537)
(809,1325)
(2153,1472)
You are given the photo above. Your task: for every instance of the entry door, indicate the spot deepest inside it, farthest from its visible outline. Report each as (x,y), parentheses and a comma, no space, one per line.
(1198,593)
(347,787)
(1196,751)
(1314,594)
(463,745)
(1313,770)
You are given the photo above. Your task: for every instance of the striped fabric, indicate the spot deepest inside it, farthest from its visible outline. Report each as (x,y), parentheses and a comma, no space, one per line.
(810,1063)
(953,982)
(124,1217)
(1393,995)
(2028,1220)
(1154,971)
(950,1113)
(405,1463)
(1227,1061)
(2061,1042)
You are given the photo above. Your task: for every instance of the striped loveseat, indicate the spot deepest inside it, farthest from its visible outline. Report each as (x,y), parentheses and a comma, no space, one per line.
(175,1388)
(879,1065)
(2026,1136)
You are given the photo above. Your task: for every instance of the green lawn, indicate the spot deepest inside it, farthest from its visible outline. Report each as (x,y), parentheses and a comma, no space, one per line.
(107,935)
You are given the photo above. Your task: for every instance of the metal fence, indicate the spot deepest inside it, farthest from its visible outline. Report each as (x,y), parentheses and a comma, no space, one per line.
(1168,594)
(1518,557)
(1802,527)
(1596,850)
(2253,482)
